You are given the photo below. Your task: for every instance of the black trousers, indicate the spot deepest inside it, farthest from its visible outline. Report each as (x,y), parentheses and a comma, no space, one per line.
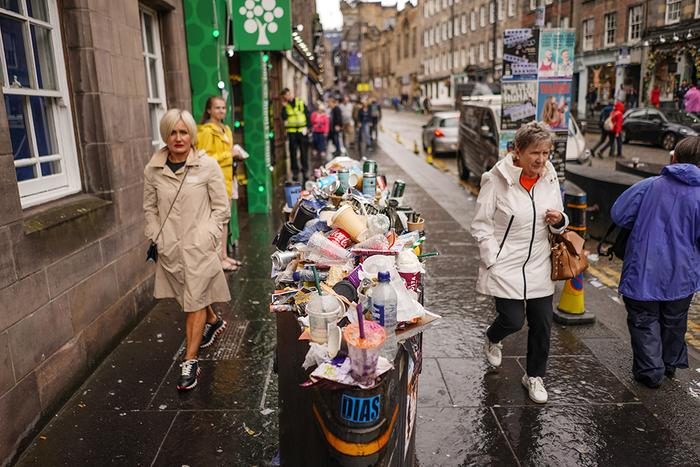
(511,318)
(657,331)
(612,141)
(301,142)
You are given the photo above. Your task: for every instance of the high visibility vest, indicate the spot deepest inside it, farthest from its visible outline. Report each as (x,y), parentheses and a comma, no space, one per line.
(296,116)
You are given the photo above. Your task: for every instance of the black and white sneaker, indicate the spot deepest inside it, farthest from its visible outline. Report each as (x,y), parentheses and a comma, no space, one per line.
(211,332)
(189,374)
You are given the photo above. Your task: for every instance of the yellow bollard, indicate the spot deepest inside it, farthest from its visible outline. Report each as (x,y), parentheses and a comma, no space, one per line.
(429,155)
(415,148)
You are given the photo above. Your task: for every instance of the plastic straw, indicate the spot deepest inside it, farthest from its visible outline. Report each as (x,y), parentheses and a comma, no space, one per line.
(360,321)
(317,280)
(428,255)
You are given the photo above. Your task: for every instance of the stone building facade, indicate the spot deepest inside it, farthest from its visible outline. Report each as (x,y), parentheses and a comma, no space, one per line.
(78,123)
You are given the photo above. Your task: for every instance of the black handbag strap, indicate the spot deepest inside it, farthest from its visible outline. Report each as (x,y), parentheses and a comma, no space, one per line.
(172,204)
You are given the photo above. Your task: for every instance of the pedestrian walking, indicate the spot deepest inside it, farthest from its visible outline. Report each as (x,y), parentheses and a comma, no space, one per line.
(426,105)
(518,206)
(680,94)
(395,103)
(296,121)
(604,133)
(621,94)
(613,126)
(336,127)
(591,99)
(363,119)
(692,100)
(216,140)
(655,96)
(320,125)
(660,270)
(185,205)
(375,111)
(346,110)
(631,100)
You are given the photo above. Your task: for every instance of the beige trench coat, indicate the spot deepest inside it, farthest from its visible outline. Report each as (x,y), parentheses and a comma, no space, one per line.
(188,267)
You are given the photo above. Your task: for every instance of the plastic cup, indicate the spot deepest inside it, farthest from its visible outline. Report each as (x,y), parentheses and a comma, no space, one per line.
(354,225)
(364,353)
(322,310)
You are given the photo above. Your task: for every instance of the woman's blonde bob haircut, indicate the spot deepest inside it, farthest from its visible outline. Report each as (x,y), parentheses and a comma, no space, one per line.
(170,119)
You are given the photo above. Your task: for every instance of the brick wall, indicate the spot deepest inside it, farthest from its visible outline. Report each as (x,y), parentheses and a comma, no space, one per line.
(72,271)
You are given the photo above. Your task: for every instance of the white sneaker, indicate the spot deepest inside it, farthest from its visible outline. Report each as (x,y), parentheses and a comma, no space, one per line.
(493,353)
(535,389)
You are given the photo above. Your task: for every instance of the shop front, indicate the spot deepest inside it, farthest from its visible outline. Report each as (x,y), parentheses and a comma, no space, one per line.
(668,66)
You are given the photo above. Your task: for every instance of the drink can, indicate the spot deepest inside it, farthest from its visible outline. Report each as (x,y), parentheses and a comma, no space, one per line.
(381,182)
(340,237)
(398,189)
(369,184)
(344,178)
(370,167)
(325,182)
(280,259)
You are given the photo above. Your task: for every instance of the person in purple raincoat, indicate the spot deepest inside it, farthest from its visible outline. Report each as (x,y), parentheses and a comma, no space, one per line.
(661,272)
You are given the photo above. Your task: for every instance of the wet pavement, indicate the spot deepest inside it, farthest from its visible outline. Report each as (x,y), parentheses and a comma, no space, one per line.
(129,412)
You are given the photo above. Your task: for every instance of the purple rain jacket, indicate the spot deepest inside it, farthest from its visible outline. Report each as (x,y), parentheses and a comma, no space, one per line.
(662,258)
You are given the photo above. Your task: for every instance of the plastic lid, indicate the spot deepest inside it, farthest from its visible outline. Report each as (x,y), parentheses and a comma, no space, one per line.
(384,276)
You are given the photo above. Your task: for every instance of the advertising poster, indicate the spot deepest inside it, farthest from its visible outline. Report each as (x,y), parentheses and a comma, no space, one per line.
(556,53)
(519,101)
(505,143)
(554,103)
(520,48)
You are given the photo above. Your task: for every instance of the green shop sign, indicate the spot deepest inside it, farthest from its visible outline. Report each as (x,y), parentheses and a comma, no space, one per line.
(262,25)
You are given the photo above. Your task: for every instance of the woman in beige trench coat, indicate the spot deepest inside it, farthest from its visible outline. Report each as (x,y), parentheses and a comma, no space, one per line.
(188,267)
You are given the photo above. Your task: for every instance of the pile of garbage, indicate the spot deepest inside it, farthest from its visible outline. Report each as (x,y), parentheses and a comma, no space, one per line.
(350,266)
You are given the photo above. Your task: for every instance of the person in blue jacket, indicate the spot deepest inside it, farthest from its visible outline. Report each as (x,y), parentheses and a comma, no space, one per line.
(661,270)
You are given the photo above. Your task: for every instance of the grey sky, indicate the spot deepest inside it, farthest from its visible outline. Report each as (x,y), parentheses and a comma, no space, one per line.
(329,11)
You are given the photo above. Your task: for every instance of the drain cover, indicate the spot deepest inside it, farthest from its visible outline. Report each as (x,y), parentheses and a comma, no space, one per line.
(227,343)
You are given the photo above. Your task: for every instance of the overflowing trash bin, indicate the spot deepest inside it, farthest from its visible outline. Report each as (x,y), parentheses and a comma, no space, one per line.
(350,317)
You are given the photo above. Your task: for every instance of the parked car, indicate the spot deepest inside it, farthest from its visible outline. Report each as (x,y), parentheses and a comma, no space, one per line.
(661,128)
(440,133)
(479,130)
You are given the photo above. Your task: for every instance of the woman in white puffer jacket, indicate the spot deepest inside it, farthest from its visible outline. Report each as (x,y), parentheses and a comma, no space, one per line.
(518,206)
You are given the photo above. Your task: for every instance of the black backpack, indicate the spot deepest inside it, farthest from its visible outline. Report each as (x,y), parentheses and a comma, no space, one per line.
(616,247)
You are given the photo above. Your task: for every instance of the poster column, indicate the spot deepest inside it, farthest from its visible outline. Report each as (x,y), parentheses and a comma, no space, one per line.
(256,118)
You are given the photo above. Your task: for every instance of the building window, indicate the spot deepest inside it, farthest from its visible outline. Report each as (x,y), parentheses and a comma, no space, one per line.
(449,29)
(673,11)
(464,23)
(492,12)
(473,20)
(36,102)
(511,8)
(482,16)
(588,26)
(490,46)
(610,27)
(481,53)
(150,39)
(425,38)
(499,48)
(463,61)
(634,31)
(697,8)
(472,55)
(414,42)
(533,4)
(455,27)
(501,12)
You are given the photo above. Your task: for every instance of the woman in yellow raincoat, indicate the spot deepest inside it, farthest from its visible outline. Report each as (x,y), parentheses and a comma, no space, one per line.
(216,139)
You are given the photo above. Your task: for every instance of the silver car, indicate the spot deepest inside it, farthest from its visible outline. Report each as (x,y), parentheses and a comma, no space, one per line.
(440,133)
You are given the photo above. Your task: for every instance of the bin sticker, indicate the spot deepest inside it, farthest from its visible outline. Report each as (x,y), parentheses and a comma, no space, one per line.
(360,409)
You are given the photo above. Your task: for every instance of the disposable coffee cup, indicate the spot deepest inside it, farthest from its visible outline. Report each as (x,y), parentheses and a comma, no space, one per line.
(348,220)
(416,226)
(292,192)
(323,310)
(303,215)
(286,233)
(355,180)
(409,267)
(364,353)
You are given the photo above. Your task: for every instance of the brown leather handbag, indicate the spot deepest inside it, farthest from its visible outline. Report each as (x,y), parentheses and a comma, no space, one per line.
(568,260)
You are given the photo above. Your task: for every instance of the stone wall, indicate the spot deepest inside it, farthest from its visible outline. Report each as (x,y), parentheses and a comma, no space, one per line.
(72,273)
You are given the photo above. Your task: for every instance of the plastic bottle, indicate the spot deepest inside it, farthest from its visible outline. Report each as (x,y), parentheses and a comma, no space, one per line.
(384,301)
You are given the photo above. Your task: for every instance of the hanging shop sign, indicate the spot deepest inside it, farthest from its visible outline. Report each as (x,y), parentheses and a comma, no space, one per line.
(262,25)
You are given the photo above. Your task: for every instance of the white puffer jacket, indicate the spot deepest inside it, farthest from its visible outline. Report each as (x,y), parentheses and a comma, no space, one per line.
(512,235)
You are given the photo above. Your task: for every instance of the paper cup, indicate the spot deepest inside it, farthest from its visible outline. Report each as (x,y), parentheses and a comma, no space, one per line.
(354,225)
(419,226)
(411,279)
(355,180)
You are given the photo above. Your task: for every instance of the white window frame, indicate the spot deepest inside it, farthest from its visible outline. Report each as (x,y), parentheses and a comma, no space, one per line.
(465,21)
(697,8)
(492,11)
(673,11)
(501,10)
(610,21)
(588,35)
(635,12)
(43,189)
(449,29)
(499,48)
(482,16)
(533,5)
(159,104)
(473,20)
(455,26)
(511,8)
(482,57)
(490,51)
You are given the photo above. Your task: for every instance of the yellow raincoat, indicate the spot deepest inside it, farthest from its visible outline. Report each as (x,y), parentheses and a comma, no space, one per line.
(218,144)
